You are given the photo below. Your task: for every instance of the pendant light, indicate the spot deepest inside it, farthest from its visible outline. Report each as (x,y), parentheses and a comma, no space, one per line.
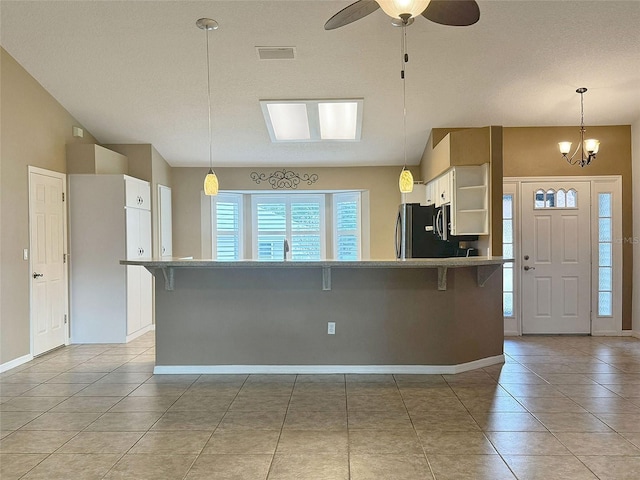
(211,180)
(591,145)
(405,181)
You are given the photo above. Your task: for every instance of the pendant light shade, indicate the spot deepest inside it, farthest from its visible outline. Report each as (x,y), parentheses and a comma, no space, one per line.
(211,183)
(406,181)
(397,8)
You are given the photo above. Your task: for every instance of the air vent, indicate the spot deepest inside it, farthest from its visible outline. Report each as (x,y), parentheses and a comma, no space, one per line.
(276,53)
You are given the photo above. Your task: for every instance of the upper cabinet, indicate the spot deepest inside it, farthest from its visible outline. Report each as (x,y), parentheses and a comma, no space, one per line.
(137,193)
(466,190)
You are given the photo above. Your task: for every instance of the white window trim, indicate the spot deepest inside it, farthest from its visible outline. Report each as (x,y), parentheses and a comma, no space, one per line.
(513,325)
(287,198)
(600,326)
(222,196)
(347,196)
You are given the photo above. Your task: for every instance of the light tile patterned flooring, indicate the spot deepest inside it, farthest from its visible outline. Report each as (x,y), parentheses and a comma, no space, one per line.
(560,408)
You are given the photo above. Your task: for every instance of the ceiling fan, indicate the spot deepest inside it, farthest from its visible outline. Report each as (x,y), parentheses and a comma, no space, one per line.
(445,12)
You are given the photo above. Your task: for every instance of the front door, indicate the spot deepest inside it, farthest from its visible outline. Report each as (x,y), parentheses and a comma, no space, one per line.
(48,288)
(556,257)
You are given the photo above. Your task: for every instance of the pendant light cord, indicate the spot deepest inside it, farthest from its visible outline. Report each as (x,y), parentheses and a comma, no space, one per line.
(405,59)
(209,98)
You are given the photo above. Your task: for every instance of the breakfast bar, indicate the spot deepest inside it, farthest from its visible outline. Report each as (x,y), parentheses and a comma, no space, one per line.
(436,315)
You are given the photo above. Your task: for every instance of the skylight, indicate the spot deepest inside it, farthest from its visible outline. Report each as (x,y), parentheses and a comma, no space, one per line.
(313,120)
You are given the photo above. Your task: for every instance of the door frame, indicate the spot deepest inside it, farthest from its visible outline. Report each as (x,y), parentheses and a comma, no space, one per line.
(600,325)
(65,248)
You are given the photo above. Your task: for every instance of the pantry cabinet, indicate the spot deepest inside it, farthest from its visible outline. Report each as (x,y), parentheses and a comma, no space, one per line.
(109,220)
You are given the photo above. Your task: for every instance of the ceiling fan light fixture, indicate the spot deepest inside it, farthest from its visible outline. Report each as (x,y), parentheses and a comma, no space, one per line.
(400,8)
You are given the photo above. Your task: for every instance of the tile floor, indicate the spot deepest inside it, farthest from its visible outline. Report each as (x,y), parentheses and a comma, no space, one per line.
(559,408)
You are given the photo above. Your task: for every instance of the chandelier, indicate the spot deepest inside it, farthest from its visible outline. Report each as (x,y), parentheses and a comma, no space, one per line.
(590,146)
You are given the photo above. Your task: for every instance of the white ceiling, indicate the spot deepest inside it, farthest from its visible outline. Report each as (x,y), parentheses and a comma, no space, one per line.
(135,72)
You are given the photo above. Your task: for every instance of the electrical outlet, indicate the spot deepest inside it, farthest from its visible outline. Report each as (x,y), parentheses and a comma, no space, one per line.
(331,328)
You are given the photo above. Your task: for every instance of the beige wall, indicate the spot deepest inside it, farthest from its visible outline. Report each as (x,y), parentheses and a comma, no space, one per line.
(635,138)
(381,182)
(35,130)
(448,147)
(533,151)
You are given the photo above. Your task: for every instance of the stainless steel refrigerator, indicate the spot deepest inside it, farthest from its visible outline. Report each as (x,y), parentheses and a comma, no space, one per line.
(415,236)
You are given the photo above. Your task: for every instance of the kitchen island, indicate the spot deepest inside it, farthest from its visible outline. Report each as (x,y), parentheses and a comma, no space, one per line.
(438,315)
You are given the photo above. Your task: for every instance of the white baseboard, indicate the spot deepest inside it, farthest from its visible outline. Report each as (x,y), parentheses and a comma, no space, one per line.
(16,362)
(327,369)
(631,333)
(140,332)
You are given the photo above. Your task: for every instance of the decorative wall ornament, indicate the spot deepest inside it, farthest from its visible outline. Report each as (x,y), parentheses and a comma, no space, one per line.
(284,178)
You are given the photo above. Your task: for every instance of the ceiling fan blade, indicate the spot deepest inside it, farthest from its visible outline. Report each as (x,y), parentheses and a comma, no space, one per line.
(353,12)
(460,13)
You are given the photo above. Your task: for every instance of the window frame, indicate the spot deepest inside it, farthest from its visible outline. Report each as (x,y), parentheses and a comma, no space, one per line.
(220,198)
(347,197)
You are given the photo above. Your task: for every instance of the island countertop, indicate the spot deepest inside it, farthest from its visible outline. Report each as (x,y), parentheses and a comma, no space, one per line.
(450,262)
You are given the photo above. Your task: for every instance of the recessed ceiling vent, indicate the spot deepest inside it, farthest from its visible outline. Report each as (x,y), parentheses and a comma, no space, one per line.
(276,53)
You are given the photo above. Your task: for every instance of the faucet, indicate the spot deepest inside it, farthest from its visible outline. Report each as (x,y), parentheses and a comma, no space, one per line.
(285,248)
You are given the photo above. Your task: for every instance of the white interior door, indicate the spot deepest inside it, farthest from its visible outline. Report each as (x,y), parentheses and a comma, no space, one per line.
(166,242)
(556,257)
(48,281)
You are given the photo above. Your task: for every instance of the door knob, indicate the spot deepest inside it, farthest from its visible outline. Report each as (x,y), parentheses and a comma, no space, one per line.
(38,275)
(527,268)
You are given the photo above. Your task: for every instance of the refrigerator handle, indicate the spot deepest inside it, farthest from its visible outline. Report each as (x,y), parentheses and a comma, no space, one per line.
(398,232)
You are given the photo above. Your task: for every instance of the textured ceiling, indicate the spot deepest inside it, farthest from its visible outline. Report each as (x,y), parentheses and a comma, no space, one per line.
(135,72)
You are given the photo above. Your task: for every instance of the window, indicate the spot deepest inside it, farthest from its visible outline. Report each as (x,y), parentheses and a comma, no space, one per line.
(553,199)
(507,252)
(605,258)
(346,231)
(227,237)
(297,218)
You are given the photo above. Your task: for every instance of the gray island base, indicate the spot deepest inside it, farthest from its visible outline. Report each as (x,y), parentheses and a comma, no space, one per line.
(429,316)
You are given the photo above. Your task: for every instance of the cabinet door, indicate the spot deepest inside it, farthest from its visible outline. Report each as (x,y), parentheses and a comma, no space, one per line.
(144,233)
(137,193)
(144,192)
(132,233)
(445,187)
(430,193)
(133,299)
(164,216)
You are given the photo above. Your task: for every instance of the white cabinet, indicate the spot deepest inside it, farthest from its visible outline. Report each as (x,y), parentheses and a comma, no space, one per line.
(466,190)
(137,193)
(110,303)
(164,218)
(444,188)
(418,195)
(470,200)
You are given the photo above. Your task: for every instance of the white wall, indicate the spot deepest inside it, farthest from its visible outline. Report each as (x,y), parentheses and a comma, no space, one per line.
(635,156)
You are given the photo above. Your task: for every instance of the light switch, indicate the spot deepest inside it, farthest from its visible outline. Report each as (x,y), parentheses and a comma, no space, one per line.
(25,254)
